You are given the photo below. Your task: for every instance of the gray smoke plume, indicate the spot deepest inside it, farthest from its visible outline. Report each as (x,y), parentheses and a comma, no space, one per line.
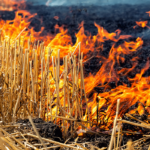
(86,2)
(95,2)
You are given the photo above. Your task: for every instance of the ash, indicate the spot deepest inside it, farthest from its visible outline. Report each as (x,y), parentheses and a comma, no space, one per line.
(45,129)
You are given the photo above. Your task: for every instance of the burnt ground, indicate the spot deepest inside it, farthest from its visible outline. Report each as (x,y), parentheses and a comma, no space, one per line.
(115,17)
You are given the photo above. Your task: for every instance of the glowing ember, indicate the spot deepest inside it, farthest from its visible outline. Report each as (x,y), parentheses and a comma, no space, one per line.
(142,24)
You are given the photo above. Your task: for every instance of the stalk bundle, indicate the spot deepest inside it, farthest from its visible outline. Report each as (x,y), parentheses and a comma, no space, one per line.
(34,83)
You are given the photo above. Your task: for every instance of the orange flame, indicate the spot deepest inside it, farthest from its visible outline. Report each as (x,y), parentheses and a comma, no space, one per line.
(142,24)
(140,86)
(56,17)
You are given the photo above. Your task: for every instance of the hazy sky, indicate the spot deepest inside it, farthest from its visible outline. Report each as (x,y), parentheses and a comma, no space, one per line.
(96,2)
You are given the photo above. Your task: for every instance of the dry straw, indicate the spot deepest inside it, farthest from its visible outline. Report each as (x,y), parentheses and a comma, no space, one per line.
(32,82)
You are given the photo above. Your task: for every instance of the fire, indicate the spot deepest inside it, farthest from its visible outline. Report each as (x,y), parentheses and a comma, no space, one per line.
(19,26)
(56,17)
(10,5)
(148,12)
(142,24)
(107,71)
(103,103)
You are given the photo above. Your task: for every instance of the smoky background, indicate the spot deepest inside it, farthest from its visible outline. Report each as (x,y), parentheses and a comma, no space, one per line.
(86,2)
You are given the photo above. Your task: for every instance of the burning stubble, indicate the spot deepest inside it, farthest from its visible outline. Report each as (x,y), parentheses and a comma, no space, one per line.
(44,76)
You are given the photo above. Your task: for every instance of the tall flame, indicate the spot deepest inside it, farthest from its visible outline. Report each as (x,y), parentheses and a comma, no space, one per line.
(104,102)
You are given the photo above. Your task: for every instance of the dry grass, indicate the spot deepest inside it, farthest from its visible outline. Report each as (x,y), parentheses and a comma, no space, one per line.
(33,84)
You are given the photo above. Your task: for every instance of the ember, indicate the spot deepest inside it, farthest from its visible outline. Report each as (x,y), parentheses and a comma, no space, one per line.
(50,76)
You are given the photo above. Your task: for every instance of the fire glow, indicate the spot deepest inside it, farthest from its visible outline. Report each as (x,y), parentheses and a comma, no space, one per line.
(137,92)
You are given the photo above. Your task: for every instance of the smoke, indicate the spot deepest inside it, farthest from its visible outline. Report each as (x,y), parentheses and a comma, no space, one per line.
(96,2)
(86,2)
(145,34)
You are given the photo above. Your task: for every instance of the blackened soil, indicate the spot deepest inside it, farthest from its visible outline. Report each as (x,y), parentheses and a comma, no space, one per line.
(104,139)
(114,17)
(52,131)
(45,129)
